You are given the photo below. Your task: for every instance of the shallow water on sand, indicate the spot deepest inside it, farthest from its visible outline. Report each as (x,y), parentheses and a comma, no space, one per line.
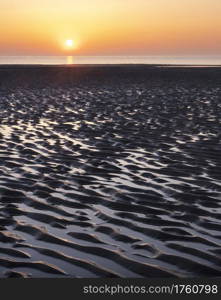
(108,181)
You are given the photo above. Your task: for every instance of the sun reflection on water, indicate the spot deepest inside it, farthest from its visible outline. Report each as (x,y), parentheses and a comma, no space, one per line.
(70,60)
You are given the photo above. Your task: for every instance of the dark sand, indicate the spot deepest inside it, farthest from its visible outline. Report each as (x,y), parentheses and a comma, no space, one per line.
(110,171)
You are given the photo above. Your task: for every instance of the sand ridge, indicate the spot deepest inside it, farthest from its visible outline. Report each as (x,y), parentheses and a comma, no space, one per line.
(110,172)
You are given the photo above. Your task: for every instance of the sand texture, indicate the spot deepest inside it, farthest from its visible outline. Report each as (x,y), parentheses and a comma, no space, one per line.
(110,171)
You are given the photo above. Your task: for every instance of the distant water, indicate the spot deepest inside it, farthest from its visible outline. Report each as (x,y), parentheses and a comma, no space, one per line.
(57,60)
(107,177)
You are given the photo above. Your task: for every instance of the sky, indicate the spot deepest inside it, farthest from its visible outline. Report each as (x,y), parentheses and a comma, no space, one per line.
(110,27)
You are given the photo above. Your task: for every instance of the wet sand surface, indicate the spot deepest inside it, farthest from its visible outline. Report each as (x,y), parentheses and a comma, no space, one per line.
(110,171)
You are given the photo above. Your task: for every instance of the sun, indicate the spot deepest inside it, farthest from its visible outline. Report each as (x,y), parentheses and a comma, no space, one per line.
(69,44)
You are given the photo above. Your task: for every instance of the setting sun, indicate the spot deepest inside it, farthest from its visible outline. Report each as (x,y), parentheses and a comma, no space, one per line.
(69,43)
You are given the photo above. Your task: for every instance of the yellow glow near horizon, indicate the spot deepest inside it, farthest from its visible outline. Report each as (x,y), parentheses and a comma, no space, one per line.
(111,27)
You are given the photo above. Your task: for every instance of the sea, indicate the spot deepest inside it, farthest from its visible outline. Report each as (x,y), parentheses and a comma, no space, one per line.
(97,60)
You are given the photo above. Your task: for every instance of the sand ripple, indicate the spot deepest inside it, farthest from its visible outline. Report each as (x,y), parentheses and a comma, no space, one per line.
(110,179)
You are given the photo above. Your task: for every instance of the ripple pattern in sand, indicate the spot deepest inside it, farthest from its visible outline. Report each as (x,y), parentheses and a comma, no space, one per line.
(107,181)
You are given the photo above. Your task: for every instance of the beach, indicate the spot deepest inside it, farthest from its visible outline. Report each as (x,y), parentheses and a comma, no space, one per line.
(110,171)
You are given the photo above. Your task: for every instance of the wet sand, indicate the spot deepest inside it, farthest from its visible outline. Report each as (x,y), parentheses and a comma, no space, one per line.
(110,171)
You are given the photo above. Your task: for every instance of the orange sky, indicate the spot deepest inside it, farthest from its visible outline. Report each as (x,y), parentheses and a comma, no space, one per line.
(110,27)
